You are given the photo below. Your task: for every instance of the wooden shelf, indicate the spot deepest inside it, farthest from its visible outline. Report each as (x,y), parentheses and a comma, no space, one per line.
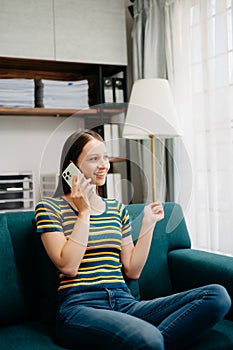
(58,112)
(58,70)
(117,159)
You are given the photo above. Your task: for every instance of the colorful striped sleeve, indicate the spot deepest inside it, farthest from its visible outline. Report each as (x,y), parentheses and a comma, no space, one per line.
(48,216)
(126,224)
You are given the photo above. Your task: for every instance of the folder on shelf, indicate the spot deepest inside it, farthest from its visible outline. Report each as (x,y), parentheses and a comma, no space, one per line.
(110,186)
(118,85)
(118,186)
(110,134)
(113,90)
(108,139)
(115,140)
(114,186)
(108,90)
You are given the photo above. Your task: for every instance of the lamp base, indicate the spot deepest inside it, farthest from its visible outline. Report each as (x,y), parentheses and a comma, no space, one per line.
(152,141)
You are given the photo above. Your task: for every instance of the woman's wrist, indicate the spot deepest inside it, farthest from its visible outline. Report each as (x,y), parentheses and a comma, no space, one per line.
(147,227)
(148,223)
(84,214)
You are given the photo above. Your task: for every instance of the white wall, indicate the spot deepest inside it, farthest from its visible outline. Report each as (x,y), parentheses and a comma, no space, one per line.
(64,30)
(90,31)
(26,29)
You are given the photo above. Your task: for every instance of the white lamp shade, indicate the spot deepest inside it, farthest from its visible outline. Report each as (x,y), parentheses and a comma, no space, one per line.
(151,110)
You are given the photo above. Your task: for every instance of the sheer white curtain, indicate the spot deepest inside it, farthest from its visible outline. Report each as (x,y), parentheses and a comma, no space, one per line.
(199,49)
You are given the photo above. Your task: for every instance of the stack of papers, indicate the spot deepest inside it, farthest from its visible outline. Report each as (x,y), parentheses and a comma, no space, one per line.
(17,93)
(63,94)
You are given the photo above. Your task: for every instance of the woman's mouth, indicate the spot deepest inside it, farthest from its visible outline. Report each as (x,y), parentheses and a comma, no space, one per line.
(101,175)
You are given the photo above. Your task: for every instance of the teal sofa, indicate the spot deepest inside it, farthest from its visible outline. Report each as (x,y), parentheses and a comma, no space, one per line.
(28,279)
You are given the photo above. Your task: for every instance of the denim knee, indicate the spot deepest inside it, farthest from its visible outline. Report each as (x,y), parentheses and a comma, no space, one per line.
(146,337)
(145,341)
(222,302)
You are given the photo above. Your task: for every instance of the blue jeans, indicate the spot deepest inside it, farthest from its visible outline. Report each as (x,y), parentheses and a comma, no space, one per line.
(113,319)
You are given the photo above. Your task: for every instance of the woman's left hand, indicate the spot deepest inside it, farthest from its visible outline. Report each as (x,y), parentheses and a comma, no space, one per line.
(153,212)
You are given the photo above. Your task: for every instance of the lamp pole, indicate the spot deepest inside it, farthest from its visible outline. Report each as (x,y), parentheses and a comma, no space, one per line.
(152,141)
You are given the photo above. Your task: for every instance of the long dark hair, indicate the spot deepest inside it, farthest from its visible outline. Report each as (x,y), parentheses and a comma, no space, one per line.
(70,152)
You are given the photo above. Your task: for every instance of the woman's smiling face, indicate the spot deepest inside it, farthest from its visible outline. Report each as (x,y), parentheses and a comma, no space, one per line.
(93,161)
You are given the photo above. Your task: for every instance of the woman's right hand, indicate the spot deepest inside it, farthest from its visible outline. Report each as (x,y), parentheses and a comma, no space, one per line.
(81,193)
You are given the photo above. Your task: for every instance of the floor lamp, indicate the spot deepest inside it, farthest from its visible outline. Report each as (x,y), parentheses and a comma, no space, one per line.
(151,113)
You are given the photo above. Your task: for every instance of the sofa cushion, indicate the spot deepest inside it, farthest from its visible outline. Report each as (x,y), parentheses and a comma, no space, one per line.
(48,282)
(27,336)
(219,338)
(170,233)
(191,268)
(151,284)
(22,233)
(12,297)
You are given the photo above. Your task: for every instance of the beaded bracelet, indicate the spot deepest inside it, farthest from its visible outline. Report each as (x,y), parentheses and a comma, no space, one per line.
(78,242)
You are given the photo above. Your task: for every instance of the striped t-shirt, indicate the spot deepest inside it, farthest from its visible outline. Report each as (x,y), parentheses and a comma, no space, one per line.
(101,265)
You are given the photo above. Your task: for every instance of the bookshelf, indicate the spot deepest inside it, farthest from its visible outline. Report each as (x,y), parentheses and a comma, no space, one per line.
(99,112)
(58,70)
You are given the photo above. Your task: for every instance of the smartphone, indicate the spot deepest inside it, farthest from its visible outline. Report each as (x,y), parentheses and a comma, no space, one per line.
(69,172)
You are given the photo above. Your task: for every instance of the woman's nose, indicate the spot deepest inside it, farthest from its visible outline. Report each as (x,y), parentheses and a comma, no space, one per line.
(103,163)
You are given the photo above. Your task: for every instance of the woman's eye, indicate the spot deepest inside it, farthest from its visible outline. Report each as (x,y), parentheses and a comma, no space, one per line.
(95,159)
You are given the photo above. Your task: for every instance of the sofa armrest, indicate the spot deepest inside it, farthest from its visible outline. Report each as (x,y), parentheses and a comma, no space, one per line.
(190,268)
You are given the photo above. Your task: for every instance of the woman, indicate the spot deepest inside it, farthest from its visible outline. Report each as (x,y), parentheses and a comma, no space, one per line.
(88,238)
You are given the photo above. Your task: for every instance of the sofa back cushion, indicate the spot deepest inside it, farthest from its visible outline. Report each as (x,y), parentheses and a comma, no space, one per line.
(48,283)
(169,234)
(14,305)
(37,274)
